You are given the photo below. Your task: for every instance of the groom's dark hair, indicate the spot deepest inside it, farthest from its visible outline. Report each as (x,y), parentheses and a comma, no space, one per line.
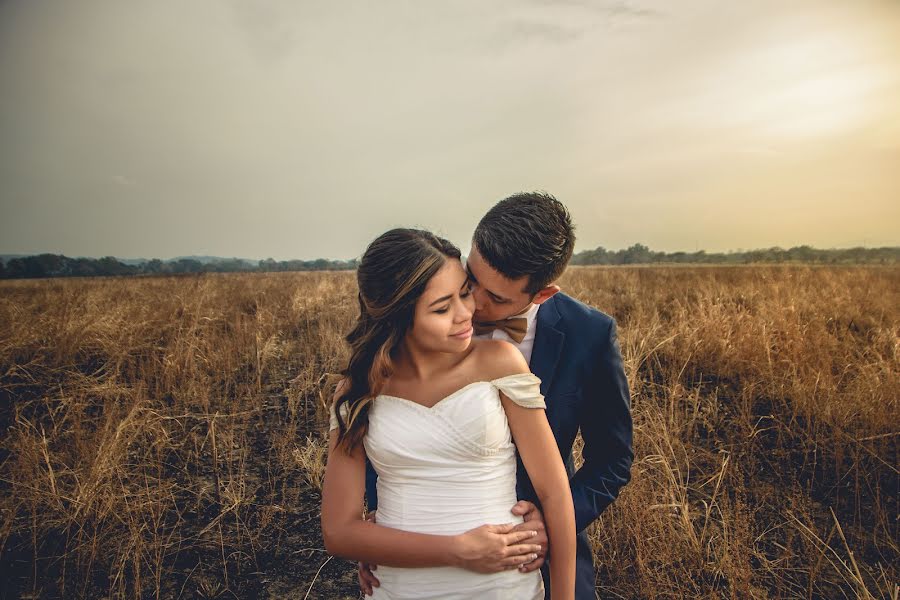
(529,233)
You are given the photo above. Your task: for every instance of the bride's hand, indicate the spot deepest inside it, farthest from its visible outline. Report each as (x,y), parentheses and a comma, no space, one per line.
(493,548)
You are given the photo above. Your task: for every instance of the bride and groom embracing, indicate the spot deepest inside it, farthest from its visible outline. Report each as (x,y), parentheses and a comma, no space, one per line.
(458,409)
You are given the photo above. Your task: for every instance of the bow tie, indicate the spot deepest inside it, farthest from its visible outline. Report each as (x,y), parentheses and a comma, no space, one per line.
(514,327)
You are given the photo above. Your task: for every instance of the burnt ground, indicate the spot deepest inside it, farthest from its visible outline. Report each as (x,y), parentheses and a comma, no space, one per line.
(269,548)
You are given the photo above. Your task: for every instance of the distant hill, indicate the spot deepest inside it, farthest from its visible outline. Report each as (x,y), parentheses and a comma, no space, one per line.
(204,259)
(139,261)
(57,265)
(639,254)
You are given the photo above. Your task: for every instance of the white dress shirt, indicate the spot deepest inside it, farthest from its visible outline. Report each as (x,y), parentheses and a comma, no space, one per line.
(527,344)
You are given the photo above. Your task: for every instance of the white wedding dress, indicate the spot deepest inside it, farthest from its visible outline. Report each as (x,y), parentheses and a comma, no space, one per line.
(444,470)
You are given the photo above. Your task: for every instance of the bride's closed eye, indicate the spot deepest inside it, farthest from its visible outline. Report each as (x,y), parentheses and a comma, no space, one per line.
(465,293)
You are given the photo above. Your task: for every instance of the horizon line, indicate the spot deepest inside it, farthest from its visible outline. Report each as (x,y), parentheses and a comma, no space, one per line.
(13,255)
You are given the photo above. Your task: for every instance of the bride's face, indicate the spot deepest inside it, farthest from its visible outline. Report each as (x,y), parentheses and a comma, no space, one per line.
(443,316)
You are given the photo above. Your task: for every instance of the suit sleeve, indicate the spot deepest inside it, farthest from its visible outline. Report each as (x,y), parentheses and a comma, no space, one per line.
(371,493)
(606,429)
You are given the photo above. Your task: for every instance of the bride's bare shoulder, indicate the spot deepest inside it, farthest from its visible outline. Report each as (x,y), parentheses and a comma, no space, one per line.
(493,359)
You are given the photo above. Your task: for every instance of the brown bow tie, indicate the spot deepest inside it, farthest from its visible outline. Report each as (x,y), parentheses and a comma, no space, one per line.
(515,327)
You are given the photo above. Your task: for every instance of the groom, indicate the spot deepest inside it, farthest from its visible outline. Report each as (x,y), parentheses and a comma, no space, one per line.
(519,249)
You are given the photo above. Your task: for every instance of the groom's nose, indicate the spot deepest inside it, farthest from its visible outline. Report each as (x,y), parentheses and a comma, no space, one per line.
(480,298)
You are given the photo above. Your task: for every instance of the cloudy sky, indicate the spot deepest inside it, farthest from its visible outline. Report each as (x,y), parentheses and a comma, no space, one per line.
(303,129)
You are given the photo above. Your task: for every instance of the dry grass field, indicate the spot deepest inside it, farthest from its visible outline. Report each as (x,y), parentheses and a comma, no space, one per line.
(162,437)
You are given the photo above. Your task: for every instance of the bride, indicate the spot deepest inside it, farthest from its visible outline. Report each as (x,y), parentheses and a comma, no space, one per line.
(436,413)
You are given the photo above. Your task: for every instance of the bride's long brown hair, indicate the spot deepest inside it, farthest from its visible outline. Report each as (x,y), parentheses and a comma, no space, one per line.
(392,275)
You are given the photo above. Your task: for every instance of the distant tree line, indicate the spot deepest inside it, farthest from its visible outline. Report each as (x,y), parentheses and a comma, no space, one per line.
(640,254)
(57,265)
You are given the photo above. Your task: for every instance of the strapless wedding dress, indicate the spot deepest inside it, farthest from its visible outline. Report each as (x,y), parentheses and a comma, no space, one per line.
(445,470)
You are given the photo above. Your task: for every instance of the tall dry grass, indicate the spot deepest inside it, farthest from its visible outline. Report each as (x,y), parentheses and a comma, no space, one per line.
(153,424)
(163,437)
(766,416)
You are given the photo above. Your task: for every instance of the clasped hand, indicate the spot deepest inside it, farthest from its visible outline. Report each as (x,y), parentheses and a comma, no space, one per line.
(488,548)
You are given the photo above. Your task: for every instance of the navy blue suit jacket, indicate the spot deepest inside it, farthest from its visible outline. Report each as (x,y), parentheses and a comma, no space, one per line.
(577,357)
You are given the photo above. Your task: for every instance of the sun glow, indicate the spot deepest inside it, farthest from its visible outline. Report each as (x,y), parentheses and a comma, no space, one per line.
(805,88)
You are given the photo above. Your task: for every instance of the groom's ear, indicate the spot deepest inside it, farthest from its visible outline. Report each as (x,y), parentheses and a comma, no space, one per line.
(545,294)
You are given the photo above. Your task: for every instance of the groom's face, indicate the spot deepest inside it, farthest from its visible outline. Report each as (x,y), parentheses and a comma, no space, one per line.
(496,296)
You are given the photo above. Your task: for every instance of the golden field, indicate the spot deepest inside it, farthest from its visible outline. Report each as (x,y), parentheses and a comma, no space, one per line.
(163,437)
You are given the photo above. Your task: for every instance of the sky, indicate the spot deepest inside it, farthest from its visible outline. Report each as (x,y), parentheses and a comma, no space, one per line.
(299,130)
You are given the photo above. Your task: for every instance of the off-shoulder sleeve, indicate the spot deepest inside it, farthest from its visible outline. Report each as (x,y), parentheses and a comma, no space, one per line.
(333,422)
(522,388)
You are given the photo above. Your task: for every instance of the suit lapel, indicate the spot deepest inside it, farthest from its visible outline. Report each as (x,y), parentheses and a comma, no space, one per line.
(548,344)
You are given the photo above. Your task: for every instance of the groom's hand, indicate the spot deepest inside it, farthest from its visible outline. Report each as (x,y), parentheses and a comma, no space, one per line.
(367,579)
(534,521)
